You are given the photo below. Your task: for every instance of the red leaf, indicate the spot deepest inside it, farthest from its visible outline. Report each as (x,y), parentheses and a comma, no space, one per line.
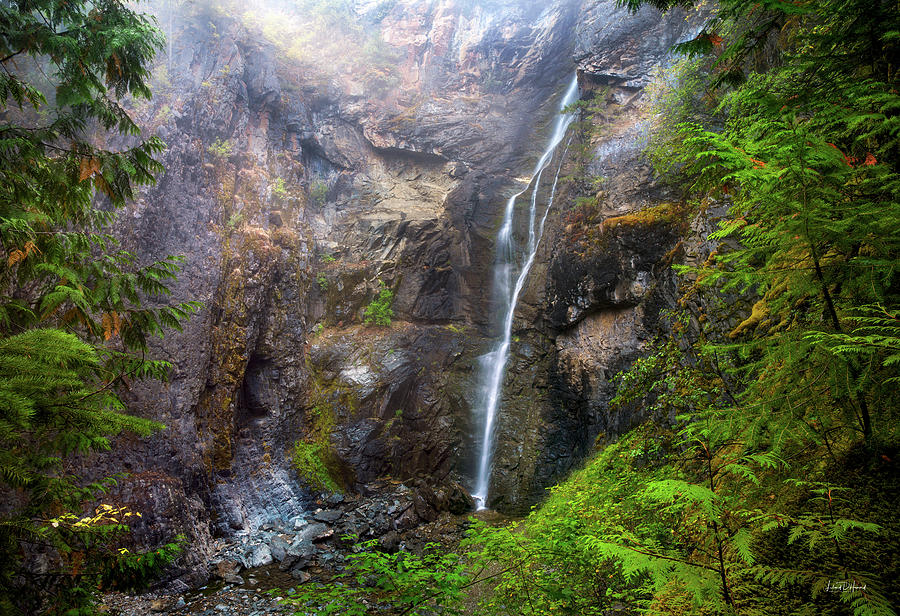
(846,158)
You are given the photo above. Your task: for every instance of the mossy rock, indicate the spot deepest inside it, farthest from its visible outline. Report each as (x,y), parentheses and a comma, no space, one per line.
(314,462)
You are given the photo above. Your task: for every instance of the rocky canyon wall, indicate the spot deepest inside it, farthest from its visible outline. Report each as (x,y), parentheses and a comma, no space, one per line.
(311,161)
(593,300)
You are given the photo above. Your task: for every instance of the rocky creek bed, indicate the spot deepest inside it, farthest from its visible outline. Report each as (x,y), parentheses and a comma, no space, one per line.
(255,568)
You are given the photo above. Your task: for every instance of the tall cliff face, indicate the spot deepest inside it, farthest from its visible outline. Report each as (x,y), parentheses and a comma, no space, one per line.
(311,158)
(590,307)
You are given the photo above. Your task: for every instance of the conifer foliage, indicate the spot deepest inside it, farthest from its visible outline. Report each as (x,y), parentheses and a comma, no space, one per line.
(76,311)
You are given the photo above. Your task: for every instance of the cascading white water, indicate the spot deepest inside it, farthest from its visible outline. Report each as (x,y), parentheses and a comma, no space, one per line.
(493,364)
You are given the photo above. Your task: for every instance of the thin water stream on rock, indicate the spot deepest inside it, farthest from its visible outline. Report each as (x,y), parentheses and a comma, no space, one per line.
(507,290)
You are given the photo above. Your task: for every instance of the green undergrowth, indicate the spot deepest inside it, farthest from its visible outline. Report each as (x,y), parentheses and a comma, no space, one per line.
(638,531)
(552,558)
(641,530)
(424,584)
(314,456)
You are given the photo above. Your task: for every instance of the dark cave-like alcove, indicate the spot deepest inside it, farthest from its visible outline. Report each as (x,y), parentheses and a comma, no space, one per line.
(257,397)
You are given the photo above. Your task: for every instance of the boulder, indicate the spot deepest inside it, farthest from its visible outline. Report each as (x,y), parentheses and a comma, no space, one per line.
(259,555)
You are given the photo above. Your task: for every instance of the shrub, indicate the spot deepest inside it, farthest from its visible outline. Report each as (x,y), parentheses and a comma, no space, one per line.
(279,189)
(418,585)
(379,310)
(77,311)
(235,220)
(221,149)
(318,191)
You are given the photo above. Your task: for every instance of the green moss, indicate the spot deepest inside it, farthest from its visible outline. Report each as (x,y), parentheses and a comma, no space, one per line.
(318,192)
(313,455)
(311,462)
(279,189)
(221,149)
(588,231)
(664,213)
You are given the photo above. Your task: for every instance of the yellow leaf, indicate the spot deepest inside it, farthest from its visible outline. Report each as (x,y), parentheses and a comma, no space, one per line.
(103,186)
(106,322)
(15,255)
(88,167)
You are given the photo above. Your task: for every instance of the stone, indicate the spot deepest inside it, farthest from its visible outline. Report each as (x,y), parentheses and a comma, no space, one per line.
(300,575)
(301,549)
(314,532)
(456,499)
(407,519)
(176,586)
(278,552)
(329,515)
(258,556)
(279,546)
(288,562)
(380,524)
(227,566)
(301,563)
(390,541)
(457,169)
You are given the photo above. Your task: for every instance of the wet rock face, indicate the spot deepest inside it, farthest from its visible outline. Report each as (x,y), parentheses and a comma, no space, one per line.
(296,188)
(616,47)
(292,193)
(469,73)
(396,398)
(589,311)
(620,274)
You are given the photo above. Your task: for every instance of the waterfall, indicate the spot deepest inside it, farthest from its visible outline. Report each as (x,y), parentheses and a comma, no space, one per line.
(493,364)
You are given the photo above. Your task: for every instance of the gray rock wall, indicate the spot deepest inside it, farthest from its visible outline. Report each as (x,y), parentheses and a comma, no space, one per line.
(293,186)
(589,310)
